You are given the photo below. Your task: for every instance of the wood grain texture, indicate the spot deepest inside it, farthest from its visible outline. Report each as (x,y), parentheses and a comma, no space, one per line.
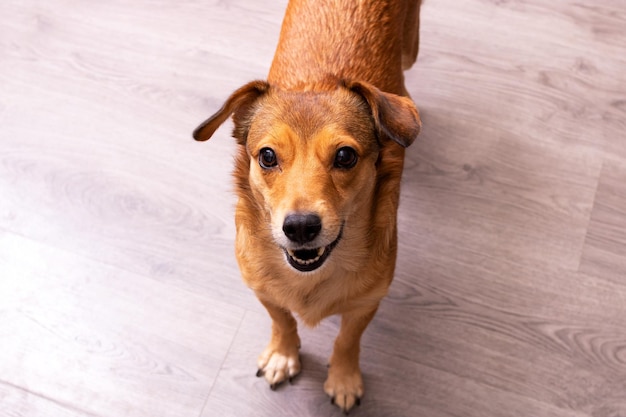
(119,290)
(91,337)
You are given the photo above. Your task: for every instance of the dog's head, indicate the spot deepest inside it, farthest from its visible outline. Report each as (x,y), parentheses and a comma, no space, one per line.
(310,161)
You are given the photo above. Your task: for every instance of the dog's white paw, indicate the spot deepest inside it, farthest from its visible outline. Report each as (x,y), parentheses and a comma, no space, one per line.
(278,366)
(345,388)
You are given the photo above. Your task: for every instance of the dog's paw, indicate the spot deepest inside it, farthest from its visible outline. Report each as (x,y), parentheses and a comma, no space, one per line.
(345,388)
(278,365)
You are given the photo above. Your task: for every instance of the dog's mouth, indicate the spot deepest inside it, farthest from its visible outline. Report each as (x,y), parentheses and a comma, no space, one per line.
(307,260)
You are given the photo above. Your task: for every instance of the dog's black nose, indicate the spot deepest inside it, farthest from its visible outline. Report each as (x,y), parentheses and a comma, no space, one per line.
(302,228)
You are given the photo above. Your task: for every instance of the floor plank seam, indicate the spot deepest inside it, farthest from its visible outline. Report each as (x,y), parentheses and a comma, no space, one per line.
(50,399)
(581,254)
(217,376)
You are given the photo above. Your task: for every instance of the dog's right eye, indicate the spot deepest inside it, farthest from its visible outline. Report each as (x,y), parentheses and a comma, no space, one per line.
(267,158)
(346,158)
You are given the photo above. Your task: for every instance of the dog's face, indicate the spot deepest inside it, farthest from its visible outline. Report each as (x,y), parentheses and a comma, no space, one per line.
(312,167)
(310,161)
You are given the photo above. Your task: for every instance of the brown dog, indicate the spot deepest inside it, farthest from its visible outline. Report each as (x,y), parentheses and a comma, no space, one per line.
(321,150)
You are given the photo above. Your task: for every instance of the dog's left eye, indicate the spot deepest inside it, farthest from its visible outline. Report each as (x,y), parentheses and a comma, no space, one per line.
(267,158)
(345,158)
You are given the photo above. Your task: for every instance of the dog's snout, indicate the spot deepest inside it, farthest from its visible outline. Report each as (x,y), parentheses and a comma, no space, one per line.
(302,228)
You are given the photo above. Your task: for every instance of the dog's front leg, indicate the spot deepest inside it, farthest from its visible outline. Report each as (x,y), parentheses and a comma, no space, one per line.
(344,384)
(280,360)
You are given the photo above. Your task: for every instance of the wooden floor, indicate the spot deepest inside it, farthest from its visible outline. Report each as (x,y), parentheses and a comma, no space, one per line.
(119,291)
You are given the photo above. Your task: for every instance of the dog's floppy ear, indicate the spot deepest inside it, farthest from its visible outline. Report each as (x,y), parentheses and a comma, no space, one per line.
(395,117)
(240,100)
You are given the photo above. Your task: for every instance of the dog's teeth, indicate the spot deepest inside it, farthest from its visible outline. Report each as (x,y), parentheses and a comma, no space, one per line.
(320,253)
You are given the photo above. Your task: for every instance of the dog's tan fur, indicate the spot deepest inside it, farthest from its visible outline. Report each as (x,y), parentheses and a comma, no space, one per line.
(336,81)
